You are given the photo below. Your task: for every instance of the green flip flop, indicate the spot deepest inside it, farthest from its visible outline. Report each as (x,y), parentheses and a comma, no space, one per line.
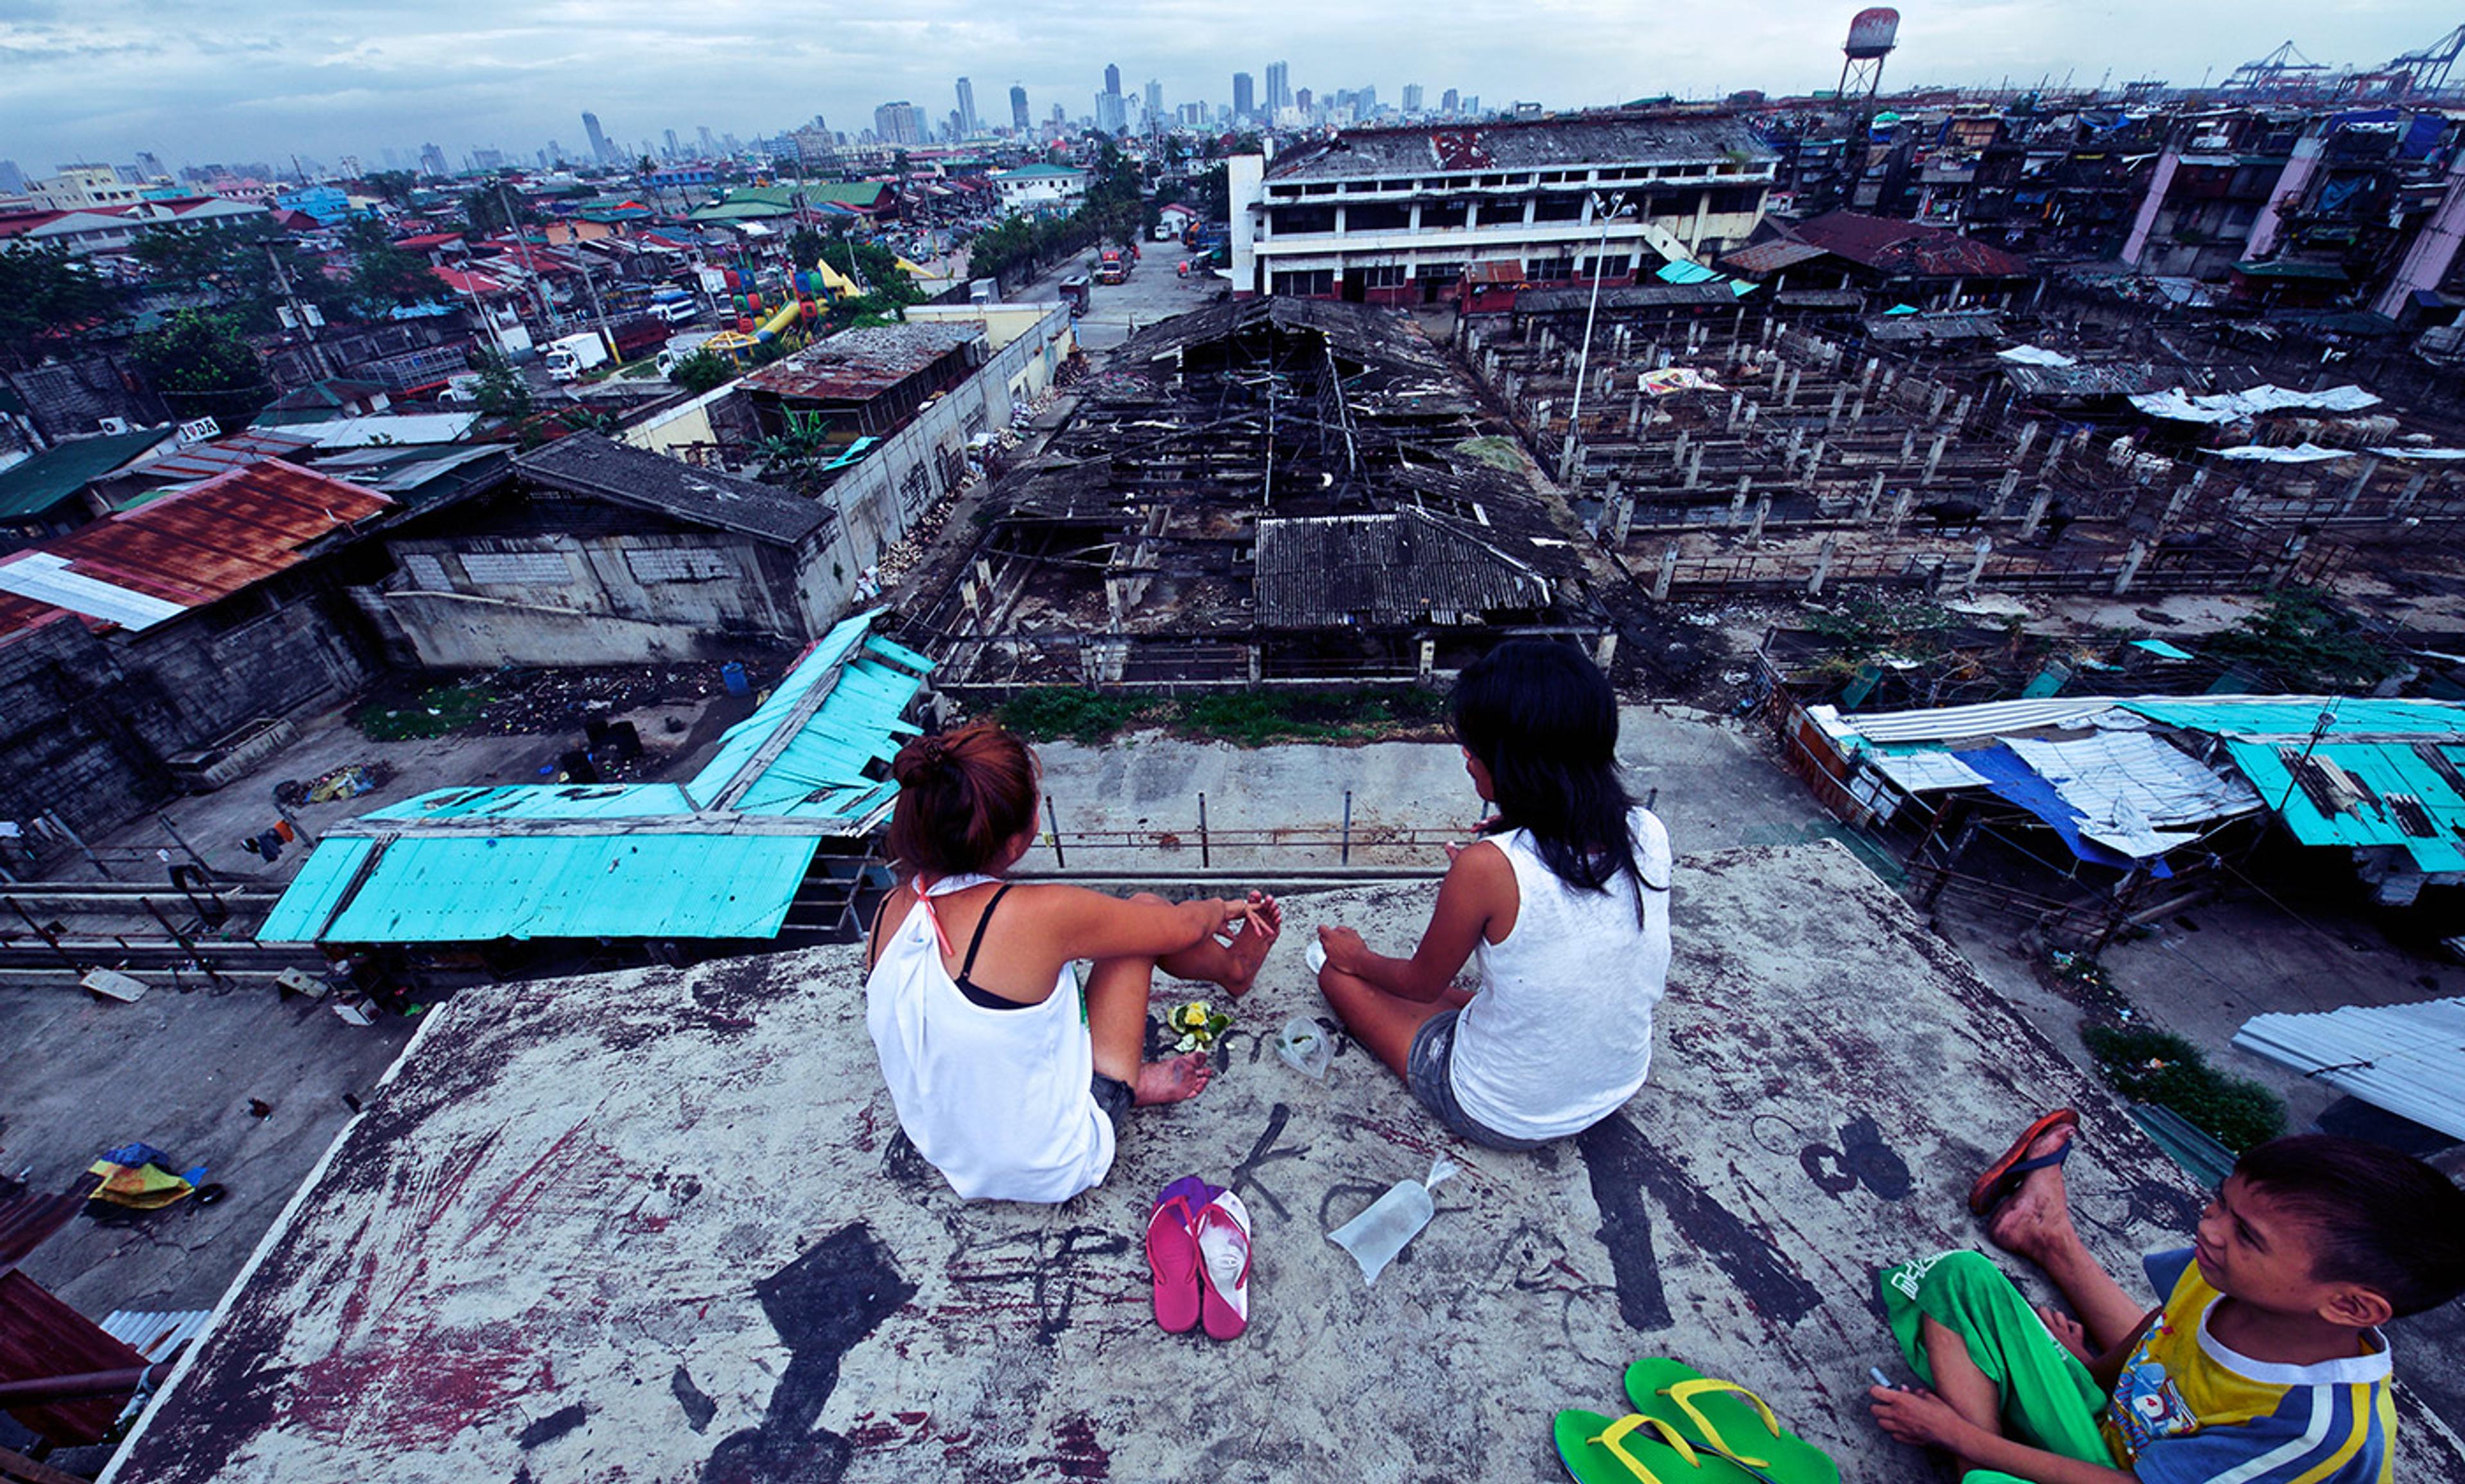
(1634,1449)
(1725,1419)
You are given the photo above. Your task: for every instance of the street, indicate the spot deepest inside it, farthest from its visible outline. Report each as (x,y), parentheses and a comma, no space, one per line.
(1154,292)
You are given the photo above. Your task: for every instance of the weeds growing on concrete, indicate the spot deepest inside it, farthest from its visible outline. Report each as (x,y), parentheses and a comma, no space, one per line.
(1246,719)
(436,712)
(2159,1067)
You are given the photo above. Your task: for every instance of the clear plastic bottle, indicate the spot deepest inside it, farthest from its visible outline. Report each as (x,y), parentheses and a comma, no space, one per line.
(1376,1235)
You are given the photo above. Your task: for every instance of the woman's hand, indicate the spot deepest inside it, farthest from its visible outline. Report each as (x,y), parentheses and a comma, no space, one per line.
(1345,948)
(1916,1416)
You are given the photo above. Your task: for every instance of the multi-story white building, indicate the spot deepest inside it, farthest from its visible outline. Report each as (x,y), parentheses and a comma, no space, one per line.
(1407,216)
(80,187)
(1032,187)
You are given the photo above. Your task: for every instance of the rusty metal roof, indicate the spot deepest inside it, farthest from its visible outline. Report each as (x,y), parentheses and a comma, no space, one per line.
(192,548)
(1531,145)
(1771,257)
(857,365)
(1908,247)
(205,461)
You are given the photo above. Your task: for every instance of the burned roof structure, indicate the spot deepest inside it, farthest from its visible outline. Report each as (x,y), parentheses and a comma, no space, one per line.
(1525,144)
(1265,487)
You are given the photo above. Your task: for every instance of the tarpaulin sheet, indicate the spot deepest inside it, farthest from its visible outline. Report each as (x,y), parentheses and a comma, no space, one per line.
(2305,453)
(2014,782)
(2226,407)
(2034,355)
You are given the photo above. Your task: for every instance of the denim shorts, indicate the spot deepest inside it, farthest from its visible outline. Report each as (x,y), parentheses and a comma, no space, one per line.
(1114,1097)
(1428,1074)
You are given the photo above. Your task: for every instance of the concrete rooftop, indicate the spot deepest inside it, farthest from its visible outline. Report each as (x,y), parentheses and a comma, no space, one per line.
(660,1224)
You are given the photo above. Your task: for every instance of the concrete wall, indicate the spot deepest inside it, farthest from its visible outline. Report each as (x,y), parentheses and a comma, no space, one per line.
(611,598)
(880,497)
(86,722)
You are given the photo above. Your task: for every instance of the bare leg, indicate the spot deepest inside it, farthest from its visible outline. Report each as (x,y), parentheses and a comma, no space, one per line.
(1116,1022)
(2035,1222)
(1235,964)
(1958,1380)
(1384,1023)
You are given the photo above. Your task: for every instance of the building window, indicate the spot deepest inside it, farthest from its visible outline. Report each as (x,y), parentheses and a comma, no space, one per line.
(1436,215)
(1616,265)
(1443,273)
(1291,220)
(1356,187)
(1326,190)
(1302,285)
(1390,276)
(678,565)
(518,569)
(1541,270)
(1377,216)
(1557,208)
(1394,185)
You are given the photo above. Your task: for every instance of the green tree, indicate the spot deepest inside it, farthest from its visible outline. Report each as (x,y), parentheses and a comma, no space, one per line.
(383,274)
(224,268)
(395,186)
(805,248)
(45,292)
(484,211)
(501,392)
(701,371)
(202,367)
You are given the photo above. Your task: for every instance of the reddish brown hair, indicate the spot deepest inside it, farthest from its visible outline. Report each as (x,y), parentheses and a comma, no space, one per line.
(963,796)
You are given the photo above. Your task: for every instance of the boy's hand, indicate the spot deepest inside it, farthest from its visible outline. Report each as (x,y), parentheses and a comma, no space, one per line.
(1917,1416)
(2067,1332)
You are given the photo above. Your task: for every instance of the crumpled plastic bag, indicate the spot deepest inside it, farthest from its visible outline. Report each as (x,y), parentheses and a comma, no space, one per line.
(1304,1047)
(1376,1235)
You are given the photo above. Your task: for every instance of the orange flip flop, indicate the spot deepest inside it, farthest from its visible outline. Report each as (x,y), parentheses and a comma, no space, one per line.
(2006,1174)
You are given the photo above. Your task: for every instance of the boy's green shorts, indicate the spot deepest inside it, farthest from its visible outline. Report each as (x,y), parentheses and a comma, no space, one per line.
(2050,1401)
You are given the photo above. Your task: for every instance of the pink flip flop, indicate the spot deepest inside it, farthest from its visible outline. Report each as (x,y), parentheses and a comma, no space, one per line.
(1224,1266)
(1172,1256)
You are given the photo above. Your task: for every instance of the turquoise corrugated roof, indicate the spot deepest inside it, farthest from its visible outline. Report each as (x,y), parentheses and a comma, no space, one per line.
(314,894)
(2293,716)
(637,884)
(2390,771)
(821,773)
(33,485)
(634,860)
(543,801)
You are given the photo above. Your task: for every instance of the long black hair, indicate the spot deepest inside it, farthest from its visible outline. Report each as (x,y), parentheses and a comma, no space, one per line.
(1542,719)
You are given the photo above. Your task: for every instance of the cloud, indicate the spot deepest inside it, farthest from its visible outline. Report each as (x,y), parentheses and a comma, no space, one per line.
(265,78)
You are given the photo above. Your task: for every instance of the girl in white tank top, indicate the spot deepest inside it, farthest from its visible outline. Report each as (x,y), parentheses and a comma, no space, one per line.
(1565,904)
(1008,1075)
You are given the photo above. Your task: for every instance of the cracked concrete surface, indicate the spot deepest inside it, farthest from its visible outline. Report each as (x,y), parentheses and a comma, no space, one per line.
(661,1226)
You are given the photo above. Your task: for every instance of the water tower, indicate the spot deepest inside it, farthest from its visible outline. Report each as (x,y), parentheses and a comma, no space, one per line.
(1872,35)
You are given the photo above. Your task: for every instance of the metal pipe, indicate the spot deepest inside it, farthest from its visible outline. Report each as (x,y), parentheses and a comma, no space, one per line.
(45,1389)
(1203,860)
(1348,827)
(1053,823)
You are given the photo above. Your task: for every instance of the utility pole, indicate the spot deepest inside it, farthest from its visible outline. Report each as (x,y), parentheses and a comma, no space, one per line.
(298,315)
(538,280)
(606,334)
(1567,474)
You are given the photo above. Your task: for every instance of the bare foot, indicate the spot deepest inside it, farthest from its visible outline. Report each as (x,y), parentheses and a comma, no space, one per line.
(1261,925)
(1183,1077)
(2038,1217)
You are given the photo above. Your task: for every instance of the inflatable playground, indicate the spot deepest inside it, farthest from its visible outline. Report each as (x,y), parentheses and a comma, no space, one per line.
(773,304)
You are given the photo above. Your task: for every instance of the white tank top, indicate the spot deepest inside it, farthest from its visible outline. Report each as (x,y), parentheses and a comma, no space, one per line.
(1559,1036)
(1000,1101)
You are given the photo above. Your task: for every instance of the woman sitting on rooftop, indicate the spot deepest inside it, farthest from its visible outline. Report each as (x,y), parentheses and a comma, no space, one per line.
(1009,1074)
(1565,904)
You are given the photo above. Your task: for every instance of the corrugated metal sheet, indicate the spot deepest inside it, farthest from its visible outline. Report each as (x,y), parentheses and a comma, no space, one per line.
(155,1336)
(639,860)
(201,544)
(1950,724)
(46,577)
(2130,786)
(820,774)
(636,884)
(2365,794)
(2409,1059)
(309,902)
(2295,715)
(1925,769)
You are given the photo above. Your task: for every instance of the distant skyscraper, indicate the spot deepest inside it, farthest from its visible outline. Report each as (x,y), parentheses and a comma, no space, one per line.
(966,108)
(1412,98)
(1112,113)
(673,149)
(1155,105)
(1279,86)
(13,180)
(709,145)
(1244,102)
(1112,79)
(1018,108)
(600,149)
(433,159)
(1450,101)
(901,122)
(1302,102)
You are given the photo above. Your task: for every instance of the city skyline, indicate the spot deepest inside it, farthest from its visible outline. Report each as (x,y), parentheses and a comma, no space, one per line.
(511,77)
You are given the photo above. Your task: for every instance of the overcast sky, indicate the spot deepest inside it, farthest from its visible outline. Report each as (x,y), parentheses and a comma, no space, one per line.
(199,82)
